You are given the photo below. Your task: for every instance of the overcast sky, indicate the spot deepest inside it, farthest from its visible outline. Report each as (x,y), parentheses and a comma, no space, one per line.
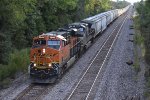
(131,1)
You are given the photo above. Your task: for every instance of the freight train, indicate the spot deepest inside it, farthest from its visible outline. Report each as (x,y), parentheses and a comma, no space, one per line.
(54,52)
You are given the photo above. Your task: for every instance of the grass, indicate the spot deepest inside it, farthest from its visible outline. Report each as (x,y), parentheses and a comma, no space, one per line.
(136,64)
(19,61)
(139,40)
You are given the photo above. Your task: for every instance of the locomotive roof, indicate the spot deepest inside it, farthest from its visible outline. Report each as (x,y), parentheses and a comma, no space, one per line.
(55,33)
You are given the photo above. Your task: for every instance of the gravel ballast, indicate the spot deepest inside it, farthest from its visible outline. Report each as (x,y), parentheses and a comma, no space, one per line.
(119,79)
(17,86)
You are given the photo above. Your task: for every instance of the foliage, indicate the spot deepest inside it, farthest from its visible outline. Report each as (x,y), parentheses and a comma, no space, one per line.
(143,10)
(119,4)
(136,64)
(93,7)
(4,48)
(138,39)
(19,62)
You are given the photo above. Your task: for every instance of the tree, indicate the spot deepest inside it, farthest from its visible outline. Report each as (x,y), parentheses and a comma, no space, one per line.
(5,48)
(144,21)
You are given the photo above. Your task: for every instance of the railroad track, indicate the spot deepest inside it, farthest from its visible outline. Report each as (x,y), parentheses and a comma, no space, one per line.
(33,92)
(84,87)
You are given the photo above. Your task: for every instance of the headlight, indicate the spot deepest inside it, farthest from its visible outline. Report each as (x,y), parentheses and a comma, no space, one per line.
(49,64)
(43,50)
(34,65)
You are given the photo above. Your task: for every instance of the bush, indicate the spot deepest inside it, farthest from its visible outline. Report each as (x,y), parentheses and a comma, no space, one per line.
(19,61)
(5,48)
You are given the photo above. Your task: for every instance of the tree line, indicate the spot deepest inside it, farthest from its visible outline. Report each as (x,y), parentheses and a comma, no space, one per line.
(143,9)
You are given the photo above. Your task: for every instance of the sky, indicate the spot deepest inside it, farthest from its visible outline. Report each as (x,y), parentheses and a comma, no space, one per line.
(131,1)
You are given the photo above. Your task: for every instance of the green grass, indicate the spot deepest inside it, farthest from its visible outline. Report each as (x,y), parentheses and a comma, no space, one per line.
(139,40)
(19,61)
(136,22)
(136,64)
(136,67)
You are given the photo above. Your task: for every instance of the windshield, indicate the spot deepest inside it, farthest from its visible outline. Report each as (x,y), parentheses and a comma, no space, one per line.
(38,43)
(55,44)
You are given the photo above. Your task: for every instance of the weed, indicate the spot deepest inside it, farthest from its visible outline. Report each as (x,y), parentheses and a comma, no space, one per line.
(139,40)
(136,66)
